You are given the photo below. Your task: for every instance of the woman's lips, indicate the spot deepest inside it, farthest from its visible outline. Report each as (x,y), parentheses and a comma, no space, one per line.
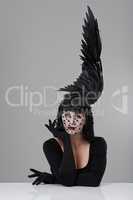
(70,127)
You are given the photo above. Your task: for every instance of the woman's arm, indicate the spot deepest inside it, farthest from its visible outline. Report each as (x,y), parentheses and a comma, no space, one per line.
(60,143)
(98,165)
(65,170)
(66,173)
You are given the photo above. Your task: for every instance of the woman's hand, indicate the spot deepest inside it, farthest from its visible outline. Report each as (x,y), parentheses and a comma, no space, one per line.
(41,177)
(52,128)
(55,131)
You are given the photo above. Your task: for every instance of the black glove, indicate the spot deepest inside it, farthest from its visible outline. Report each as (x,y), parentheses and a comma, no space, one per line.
(42,177)
(55,130)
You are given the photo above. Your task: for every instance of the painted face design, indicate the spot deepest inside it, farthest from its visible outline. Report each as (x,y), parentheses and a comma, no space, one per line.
(73,121)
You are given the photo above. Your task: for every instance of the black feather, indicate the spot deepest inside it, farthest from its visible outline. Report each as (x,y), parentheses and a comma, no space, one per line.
(91,77)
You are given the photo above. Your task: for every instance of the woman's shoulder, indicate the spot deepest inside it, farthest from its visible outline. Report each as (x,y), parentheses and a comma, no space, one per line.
(52,141)
(99,145)
(99,139)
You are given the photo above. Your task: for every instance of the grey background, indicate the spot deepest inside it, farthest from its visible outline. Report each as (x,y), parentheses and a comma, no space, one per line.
(39,47)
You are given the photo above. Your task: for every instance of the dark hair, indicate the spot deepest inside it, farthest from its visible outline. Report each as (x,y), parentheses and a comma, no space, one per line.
(88,129)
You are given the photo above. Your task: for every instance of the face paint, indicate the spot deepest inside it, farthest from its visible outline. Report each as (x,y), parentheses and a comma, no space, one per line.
(73,121)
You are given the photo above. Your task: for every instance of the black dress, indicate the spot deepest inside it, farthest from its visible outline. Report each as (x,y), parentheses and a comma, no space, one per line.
(62,164)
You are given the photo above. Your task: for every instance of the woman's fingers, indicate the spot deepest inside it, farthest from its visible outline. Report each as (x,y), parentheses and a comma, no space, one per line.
(32,175)
(54,122)
(47,126)
(37,181)
(40,179)
(34,182)
(35,171)
(50,122)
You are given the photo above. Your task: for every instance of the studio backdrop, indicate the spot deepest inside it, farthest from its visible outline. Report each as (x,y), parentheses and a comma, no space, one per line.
(39,50)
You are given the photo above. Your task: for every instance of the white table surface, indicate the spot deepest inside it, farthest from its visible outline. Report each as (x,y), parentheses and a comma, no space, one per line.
(27,191)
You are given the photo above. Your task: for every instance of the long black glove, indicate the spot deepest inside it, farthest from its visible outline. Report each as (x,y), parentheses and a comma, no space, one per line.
(42,177)
(66,173)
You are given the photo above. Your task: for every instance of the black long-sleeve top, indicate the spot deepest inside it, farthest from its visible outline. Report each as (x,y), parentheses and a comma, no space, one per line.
(62,164)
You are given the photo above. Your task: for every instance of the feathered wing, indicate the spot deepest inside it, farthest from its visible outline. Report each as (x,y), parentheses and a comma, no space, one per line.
(91,77)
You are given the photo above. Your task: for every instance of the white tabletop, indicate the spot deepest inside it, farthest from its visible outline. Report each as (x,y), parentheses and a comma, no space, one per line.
(26,191)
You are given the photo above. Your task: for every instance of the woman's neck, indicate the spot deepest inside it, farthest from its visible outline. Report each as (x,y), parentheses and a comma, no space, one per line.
(76,139)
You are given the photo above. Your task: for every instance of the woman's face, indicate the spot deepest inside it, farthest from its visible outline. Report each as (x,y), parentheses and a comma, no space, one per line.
(73,121)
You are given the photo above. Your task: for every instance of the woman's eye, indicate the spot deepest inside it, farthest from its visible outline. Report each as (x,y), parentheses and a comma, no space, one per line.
(79,116)
(67,115)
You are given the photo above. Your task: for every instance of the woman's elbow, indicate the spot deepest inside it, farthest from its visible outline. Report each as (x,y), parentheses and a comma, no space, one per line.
(89,184)
(91,181)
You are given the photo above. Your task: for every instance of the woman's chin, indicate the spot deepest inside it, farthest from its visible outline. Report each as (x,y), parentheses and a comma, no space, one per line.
(72,133)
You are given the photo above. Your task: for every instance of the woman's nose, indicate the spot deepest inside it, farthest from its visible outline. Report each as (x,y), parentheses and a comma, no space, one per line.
(73,120)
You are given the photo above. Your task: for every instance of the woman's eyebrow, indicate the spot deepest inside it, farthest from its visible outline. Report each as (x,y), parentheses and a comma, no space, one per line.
(66,113)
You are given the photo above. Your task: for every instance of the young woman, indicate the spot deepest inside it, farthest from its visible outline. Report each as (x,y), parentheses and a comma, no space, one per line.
(76,157)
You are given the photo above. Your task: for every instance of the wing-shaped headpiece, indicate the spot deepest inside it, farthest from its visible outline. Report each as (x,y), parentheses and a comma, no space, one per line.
(89,84)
